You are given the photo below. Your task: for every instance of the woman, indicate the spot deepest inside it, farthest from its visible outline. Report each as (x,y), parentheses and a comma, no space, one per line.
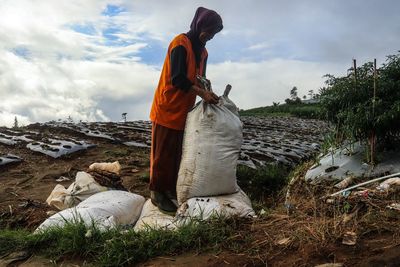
(174,97)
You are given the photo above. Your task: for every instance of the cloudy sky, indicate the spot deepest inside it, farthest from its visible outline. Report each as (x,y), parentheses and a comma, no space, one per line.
(93,60)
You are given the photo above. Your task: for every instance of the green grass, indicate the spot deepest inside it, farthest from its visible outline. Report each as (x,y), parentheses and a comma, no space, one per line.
(119,247)
(311,111)
(145,177)
(267,180)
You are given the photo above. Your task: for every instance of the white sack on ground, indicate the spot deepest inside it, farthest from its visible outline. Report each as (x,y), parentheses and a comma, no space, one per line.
(83,187)
(211,146)
(152,218)
(237,204)
(104,210)
(113,167)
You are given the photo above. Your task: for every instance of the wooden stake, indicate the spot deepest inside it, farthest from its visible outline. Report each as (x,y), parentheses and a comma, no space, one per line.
(375,76)
(373,137)
(355,74)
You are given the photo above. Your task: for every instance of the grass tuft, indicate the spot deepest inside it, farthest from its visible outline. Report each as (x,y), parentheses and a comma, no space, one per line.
(262,182)
(118,247)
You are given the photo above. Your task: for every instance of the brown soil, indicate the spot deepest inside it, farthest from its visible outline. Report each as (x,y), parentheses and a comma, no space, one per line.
(25,186)
(312,234)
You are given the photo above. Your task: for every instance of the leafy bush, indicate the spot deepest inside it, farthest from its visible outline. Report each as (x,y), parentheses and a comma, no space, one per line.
(350,104)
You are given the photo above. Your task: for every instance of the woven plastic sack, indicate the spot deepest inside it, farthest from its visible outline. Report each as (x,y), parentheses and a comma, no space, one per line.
(104,210)
(83,187)
(152,218)
(211,146)
(203,208)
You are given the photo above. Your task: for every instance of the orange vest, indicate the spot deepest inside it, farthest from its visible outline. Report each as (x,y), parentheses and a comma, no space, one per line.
(170,104)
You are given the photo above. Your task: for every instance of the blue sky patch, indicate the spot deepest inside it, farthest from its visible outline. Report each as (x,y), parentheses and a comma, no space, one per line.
(112,10)
(153,54)
(109,33)
(86,28)
(23,52)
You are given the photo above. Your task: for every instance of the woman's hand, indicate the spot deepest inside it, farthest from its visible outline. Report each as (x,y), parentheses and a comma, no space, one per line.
(208,96)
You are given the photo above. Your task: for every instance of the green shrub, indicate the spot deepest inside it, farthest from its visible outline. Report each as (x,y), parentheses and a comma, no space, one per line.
(351,107)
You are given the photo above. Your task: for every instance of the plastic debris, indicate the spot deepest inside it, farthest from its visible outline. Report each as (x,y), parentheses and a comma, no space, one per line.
(9,158)
(345,182)
(349,238)
(113,167)
(394,206)
(387,184)
(62,179)
(364,183)
(57,148)
(13,139)
(136,144)
(284,241)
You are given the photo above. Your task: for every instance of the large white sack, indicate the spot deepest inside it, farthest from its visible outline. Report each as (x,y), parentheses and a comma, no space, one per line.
(105,210)
(83,187)
(237,204)
(211,146)
(152,218)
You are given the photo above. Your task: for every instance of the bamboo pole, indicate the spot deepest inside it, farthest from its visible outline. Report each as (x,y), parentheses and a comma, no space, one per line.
(375,76)
(355,73)
(373,137)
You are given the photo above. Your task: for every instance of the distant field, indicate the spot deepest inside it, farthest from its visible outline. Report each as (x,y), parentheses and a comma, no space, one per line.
(310,111)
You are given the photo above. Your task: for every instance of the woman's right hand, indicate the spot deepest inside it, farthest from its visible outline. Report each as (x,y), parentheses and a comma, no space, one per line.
(210,97)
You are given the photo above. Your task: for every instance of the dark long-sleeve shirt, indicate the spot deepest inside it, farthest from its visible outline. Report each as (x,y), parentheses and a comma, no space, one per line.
(179,69)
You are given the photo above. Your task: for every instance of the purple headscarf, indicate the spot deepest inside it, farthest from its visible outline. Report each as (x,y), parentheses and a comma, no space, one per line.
(205,20)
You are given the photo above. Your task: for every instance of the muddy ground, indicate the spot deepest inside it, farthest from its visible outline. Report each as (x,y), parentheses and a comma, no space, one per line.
(25,186)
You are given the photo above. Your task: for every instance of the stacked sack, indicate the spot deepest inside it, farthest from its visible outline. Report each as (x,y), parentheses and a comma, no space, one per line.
(206,183)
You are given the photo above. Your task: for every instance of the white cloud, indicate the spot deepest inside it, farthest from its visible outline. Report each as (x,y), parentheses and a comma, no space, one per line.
(257,84)
(259,46)
(48,70)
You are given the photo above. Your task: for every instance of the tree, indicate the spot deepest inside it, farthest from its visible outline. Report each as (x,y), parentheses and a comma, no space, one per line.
(124,116)
(311,93)
(293,93)
(304,97)
(15,123)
